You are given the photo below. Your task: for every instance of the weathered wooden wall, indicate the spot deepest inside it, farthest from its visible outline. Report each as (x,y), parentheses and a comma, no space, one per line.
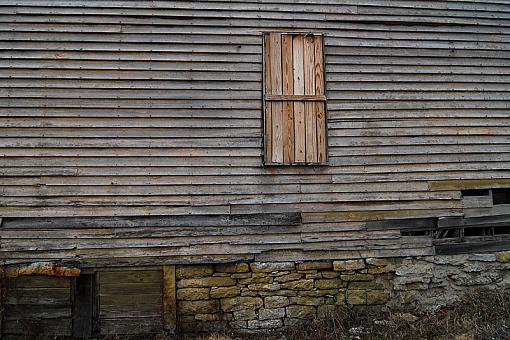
(116,108)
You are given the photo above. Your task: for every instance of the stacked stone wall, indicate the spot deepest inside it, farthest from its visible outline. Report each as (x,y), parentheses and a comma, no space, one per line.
(251,297)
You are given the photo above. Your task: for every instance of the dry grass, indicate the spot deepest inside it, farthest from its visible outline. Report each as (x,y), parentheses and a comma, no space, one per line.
(481,315)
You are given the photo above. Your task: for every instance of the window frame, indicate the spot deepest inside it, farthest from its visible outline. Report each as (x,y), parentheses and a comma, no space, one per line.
(268,98)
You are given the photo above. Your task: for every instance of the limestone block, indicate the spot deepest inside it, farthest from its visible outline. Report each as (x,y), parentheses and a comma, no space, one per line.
(251,280)
(366,285)
(340,298)
(304,284)
(267,267)
(193,294)
(222,274)
(198,307)
(238,324)
(306,300)
(313,275)
(318,292)
(206,282)
(232,267)
(267,287)
(271,313)
(224,292)
(348,265)
(357,277)
(276,301)
(207,317)
(314,265)
(261,274)
(240,303)
(289,277)
(265,324)
(245,314)
(379,262)
(329,283)
(377,297)
(240,275)
(301,312)
(482,257)
(330,274)
(193,271)
(282,292)
(356,297)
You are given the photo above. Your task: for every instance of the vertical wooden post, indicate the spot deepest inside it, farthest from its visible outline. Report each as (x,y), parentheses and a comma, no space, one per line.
(169,299)
(84,305)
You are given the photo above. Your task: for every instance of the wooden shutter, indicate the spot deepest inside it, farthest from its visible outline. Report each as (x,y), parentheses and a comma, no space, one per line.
(294,100)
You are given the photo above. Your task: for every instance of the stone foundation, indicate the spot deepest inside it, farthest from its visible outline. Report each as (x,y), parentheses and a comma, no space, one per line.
(257,296)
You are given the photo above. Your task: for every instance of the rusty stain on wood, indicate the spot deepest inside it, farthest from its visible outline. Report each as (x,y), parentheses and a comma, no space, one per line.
(42,268)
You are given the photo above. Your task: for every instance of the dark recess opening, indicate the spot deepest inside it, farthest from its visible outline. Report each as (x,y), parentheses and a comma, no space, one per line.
(501,196)
(475,192)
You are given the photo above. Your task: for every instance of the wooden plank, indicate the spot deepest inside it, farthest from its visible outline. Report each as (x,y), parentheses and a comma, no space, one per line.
(310,89)
(127,326)
(299,107)
(35,312)
(288,106)
(34,296)
(293,97)
(37,328)
(33,282)
(257,219)
(320,109)
(277,89)
(403,224)
(473,245)
(268,134)
(169,299)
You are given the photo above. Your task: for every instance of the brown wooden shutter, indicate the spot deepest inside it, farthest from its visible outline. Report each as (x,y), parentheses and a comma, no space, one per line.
(294,100)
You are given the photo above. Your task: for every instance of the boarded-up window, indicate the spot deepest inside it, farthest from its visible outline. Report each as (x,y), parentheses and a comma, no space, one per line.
(294,99)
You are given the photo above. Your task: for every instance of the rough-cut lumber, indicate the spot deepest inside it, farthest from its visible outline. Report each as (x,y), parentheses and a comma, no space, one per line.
(135,110)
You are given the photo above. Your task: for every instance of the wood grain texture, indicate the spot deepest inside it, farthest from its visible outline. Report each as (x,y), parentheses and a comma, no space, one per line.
(119,109)
(288,107)
(299,107)
(276,89)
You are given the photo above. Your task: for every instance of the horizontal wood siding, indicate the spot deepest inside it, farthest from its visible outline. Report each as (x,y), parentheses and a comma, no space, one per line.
(37,306)
(120,108)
